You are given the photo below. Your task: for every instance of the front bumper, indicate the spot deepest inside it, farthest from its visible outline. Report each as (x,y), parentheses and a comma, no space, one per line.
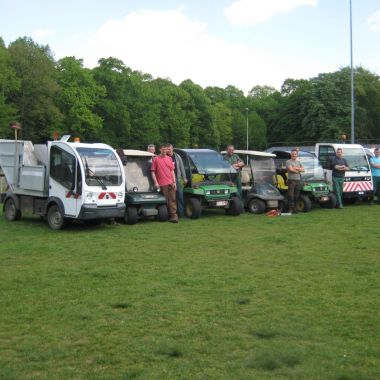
(89,212)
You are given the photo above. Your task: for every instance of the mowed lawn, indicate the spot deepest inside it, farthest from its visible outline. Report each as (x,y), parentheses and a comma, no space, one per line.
(249,297)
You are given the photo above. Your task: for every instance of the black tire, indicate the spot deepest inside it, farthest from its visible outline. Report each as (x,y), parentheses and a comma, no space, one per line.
(162,215)
(131,216)
(193,208)
(256,206)
(55,218)
(235,208)
(12,213)
(332,202)
(303,204)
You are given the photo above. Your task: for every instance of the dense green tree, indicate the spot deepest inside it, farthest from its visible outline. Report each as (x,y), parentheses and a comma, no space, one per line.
(8,83)
(35,98)
(113,107)
(175,119)
(367,100)
(203,132)
(77,98)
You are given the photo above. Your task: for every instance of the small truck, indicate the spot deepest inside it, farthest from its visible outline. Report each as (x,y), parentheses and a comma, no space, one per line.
(62,181)
(210,183)
(142,200)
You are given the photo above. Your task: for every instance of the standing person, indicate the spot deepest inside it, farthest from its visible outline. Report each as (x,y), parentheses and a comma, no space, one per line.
(179,171)
(375,168)
(236,162)
(151,148)
(339,166)
(164,179)
(294,169)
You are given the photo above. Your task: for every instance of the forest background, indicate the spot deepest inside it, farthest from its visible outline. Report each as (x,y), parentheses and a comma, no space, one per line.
(126,108)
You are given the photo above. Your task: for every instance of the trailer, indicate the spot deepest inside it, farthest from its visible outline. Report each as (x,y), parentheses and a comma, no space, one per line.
(358,182)
(62,181)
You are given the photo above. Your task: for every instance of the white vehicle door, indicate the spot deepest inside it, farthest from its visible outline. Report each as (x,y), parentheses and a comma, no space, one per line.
(62,178)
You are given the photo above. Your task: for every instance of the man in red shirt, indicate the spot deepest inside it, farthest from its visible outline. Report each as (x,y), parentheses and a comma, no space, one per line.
(164,179)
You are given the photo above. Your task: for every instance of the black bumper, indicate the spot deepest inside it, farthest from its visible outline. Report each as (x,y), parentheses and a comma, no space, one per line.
(89,212)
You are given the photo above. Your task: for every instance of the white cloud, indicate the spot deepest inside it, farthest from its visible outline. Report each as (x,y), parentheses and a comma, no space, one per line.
(374,21)
(170,45)
(42,34)
(256,11)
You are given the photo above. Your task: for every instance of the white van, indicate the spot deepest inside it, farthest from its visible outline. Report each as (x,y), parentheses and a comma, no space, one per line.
(358,180)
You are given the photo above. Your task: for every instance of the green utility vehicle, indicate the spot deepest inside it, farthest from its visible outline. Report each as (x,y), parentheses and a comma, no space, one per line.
(210,184)
(259,181)
(141,197)
(314,187)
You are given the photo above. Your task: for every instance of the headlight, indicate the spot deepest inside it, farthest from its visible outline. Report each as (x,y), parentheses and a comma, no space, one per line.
(226,191)
(120,195)
(208,192)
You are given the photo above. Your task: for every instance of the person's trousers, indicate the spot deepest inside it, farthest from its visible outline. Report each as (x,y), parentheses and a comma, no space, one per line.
(180,201)
(376,188)
(171,201)
(294,188)
(338,189)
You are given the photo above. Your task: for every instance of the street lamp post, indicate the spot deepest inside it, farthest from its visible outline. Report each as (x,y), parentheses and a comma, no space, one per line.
(352,84)
(247,110)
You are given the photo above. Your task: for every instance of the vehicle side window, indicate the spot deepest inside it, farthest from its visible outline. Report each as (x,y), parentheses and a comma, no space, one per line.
(326,154)
(62,167)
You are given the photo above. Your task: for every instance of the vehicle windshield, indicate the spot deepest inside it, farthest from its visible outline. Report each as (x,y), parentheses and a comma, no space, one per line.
(209,163)
(313,169)
(101,167)
(138,176)
(356,159)
(263,170)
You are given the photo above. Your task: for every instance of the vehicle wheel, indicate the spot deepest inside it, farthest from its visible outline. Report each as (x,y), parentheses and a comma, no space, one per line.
(235,208)
(55,218)
(131,216)
(303,204)
(11,211)
(332,201)
(193,208)
(256,206)
(162,215)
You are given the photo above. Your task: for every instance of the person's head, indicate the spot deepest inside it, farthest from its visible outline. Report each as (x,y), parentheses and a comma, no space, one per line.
(163,149)
(169,149)
(339,152)
(151,148)
(377,152)
(294,154)
(230,150)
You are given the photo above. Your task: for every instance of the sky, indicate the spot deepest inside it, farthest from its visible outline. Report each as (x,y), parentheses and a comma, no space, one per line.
(242,43)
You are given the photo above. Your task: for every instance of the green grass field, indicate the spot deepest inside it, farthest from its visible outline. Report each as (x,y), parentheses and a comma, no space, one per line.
(249,297)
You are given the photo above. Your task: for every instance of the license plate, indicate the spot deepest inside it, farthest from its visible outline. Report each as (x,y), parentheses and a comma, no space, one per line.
(324,199)
(222,203)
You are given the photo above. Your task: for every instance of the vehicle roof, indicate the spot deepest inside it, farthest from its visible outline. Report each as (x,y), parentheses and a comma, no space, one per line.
(187,150)
(342,145)
(137,153)
(286,153)
(252,153)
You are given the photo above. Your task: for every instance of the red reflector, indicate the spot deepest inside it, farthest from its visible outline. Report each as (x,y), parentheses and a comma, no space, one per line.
(107,195)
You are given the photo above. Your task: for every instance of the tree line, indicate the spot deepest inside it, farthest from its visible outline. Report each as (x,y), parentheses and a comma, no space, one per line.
(114,104)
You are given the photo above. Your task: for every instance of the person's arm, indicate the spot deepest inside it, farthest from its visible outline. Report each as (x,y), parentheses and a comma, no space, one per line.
(239,164)
(174,179)
(153,171)
(156,185)
(343,167)
(377,166)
